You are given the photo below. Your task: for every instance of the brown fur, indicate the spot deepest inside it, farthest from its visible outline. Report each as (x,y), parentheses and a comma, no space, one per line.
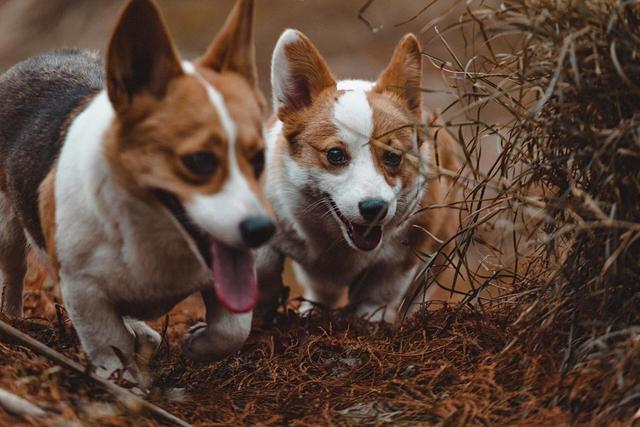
(393,128)
(311,133)
(146,154)
(402,77)
(47,208)
(233,48)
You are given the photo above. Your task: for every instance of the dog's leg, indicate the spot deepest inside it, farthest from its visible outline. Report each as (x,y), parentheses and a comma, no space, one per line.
(377,295)
(13,256)
(108,342)
(269,265)
(316,291)
(222,335)
(147,338)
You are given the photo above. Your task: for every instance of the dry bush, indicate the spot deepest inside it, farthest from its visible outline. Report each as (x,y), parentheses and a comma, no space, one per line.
(566,181)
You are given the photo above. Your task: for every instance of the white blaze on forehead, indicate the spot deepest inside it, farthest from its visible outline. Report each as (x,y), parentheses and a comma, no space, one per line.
(218,102)
(220,214)
(361,85)
(353,118)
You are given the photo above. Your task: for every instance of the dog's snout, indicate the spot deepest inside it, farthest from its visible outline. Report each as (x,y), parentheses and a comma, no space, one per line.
(256,230)
(373,209)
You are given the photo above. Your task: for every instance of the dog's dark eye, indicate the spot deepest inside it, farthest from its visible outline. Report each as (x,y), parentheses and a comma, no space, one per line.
(257,163)
(336,156)
(391,159)
(202,163)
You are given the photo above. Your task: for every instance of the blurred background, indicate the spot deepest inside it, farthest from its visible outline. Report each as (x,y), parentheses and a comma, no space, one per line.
(353,47)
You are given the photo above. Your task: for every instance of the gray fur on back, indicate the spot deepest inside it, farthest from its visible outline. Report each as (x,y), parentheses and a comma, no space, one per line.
(37,97)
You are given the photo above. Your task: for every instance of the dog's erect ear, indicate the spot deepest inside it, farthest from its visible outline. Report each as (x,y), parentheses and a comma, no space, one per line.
(233,49)
(403,75)
(299,73)
(141,58)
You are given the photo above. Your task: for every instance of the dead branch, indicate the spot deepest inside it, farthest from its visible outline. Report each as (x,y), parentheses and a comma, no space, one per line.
(19,406)
(122,394)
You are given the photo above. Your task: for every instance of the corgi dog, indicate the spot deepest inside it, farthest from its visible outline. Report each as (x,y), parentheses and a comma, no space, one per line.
(346,176)
(139,184)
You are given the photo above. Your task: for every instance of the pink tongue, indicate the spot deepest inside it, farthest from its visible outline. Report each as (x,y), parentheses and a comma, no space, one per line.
(234,277)
(366,237)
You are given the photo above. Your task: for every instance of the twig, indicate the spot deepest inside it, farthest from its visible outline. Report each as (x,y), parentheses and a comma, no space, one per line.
(119,392)
(362,18)
(417,15)
(19,406)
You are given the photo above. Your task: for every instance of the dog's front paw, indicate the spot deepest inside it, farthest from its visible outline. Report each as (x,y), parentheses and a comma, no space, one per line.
(204,344)
(147,339)
(376,314)
(112,369)
(305,308)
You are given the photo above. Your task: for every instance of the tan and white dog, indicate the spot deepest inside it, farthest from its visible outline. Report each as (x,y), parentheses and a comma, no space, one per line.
(139,183)
(346,177)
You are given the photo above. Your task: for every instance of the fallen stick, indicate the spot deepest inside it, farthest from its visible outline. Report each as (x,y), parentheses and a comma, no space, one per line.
(19,406)
(119,392)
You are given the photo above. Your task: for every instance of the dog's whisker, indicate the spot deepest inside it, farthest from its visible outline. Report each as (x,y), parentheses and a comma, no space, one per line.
(316,204)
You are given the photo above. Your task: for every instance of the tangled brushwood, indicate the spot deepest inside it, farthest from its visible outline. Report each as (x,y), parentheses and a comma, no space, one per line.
(550,333)
(569,172)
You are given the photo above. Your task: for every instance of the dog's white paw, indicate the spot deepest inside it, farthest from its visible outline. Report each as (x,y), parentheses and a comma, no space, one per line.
(204,344)
(147,339)
(305,308)
(376,314)
(111,368)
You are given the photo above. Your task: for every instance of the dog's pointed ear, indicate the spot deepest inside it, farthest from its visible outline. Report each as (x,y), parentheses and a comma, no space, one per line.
(403,75)
(299,73)
(141,58)
(233,49)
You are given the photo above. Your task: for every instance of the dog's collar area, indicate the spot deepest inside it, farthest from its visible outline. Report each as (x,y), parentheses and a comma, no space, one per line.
(177,210)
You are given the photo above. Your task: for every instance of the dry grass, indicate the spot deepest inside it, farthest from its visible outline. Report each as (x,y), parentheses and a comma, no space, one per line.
(549,245)
(320,370)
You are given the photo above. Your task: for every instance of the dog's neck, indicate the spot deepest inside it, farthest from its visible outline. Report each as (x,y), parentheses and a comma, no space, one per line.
(86,143)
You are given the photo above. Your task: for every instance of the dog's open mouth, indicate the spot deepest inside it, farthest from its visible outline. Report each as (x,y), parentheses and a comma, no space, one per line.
(233,269)
(365,237)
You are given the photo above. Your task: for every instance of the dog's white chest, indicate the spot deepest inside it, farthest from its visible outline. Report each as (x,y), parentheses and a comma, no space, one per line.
(110,243)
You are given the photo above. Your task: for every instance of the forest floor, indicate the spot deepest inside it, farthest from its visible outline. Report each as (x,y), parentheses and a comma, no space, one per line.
(445,366)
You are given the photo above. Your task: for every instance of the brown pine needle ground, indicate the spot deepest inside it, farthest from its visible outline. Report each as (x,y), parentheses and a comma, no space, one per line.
(324,369)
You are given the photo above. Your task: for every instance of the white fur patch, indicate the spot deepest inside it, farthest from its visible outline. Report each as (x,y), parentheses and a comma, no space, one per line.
(81,161)
(353,117)
(361,85)
(272,138)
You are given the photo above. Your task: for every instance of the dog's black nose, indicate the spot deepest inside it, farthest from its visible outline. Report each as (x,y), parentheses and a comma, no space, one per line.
(373,208)
(256,230)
